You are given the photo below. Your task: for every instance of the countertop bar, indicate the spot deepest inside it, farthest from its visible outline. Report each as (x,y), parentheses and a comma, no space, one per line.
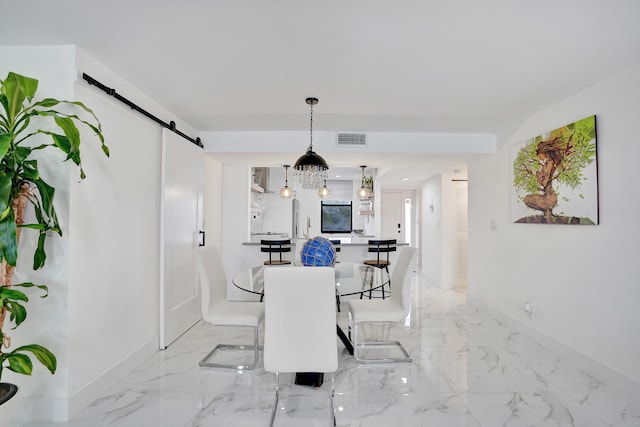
(344,241)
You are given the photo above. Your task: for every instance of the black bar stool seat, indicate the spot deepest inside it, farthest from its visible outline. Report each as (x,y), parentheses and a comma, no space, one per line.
(276,247)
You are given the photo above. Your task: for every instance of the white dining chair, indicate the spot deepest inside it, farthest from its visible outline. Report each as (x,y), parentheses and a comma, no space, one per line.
(216,310)
(300,324)
(393,309)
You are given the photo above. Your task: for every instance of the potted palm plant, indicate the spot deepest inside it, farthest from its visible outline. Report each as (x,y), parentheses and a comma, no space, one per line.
(28,127)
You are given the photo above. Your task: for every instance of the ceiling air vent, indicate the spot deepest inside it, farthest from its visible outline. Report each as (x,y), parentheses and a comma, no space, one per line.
(352,139)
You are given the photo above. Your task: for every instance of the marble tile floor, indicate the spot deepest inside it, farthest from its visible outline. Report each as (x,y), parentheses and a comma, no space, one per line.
(468,370)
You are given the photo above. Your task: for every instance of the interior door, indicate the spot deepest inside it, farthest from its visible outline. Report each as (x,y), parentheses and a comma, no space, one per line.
(181,223)
(398,216)
(392,217)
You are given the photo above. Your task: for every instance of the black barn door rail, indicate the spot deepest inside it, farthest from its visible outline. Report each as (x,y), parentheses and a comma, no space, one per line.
(110,91)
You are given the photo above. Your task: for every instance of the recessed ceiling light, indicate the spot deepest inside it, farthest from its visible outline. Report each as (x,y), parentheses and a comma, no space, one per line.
(405,179)
(337,176)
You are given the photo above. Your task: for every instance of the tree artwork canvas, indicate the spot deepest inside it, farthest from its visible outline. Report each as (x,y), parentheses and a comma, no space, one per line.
(555,176)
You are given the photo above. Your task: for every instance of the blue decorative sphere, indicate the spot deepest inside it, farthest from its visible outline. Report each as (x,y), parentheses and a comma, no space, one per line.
(318,252)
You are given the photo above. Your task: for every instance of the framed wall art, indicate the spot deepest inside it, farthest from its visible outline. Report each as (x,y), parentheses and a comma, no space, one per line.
(555,176)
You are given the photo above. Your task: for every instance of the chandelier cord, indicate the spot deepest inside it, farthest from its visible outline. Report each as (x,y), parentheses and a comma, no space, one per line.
(311,129)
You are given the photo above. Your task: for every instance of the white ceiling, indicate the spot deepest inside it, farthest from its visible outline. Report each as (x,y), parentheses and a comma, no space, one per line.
(377,66)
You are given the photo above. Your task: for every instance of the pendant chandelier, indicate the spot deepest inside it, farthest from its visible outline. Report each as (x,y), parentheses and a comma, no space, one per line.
(311,169)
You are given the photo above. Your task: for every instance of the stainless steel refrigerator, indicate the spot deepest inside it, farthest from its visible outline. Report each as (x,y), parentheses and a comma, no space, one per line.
(295,218)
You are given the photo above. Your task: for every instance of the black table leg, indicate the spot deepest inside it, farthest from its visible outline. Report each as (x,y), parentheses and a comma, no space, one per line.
(315,379)
(345,340)
(311,379)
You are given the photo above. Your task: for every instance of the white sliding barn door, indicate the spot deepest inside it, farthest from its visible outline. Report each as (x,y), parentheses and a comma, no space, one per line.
(181,223)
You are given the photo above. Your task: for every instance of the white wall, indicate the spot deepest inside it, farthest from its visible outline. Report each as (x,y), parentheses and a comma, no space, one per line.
(444,250)
(235,225)
(212,220)
(581,280)
(431,230)
(453,226)
(277,216)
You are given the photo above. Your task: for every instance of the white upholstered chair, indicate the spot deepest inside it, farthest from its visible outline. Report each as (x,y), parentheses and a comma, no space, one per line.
(393,309)
(218,311)
(300,323)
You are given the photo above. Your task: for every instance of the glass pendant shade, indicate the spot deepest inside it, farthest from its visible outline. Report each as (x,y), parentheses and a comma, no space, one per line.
(363,192)
(324,191)
(286,191)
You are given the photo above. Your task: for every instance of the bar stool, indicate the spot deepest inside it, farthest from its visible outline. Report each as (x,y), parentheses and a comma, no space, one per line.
(381,247)
(276,247)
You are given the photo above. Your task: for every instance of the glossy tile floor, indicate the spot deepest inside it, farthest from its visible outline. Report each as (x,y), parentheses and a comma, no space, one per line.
(468,370)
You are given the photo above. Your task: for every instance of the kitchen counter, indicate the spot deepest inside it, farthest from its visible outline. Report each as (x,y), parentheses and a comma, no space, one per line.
(352,248)
(256,237)
(344,241)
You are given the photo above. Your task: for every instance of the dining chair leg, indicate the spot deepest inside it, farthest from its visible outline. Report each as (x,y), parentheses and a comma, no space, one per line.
(333,394)
(405,358)
(206,363)
(256,346)
(275,401)
(355,341)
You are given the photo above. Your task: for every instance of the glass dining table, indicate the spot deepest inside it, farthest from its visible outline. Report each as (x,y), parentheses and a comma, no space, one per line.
(351,279)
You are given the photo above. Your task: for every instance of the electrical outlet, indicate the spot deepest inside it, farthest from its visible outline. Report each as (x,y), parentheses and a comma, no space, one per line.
(528,309)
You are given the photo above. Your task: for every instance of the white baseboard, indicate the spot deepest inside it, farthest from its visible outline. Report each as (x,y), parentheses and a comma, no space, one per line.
(100,385)
(60,409)
(605,373)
